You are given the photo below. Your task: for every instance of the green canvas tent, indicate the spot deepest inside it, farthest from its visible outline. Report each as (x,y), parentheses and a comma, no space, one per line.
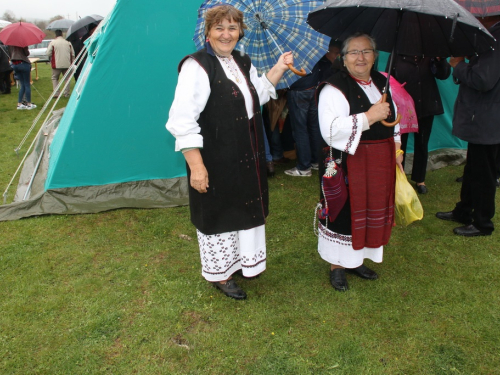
(110,149)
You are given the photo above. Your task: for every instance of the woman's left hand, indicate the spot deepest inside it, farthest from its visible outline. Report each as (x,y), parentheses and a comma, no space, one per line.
(285,60)
(277,71)
(399,160)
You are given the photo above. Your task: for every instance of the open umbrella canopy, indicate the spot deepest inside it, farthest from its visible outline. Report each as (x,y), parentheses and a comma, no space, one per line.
(81,27)
(62,24)
(426,27)
(4,23)
(274,27)
(406,106)
(21,34)
(481,8)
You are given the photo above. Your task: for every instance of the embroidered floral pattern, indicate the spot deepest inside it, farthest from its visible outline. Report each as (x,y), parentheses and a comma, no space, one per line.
(235,92)
(353,134)
(341,239)
(232,67)
(220,254)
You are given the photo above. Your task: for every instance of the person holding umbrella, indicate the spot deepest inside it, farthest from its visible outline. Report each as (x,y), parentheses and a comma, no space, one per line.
(216,120)
(21,65)
(18,36)
(476,121)
(350,114)
(61,57)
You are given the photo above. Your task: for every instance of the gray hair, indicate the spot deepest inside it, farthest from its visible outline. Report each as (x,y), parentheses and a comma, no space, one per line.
(359,35)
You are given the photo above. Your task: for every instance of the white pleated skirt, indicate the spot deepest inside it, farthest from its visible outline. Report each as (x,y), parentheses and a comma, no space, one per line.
(225,253)
(337,249)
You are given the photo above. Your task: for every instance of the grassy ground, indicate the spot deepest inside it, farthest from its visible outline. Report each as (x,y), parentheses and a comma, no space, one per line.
(121,293)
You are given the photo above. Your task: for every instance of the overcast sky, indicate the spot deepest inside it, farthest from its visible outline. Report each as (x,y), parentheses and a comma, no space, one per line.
(44,10)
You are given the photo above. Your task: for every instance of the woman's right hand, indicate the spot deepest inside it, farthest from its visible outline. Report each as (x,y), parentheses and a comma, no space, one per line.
(199,173)
(199,178)
(378,112)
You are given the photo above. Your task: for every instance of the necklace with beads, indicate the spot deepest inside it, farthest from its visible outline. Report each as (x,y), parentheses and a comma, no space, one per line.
(364,84)
(231,65)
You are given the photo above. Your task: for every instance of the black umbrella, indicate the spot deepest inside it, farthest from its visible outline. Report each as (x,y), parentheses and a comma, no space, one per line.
(81,27)
(419,28)
(62,24)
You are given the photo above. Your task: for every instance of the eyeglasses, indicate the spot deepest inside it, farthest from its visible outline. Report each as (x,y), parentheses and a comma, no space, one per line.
(365,52)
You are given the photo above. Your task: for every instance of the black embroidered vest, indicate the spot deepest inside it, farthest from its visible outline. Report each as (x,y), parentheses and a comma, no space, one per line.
(233,153)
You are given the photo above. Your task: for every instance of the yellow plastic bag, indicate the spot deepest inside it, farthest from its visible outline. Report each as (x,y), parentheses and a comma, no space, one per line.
(407,205)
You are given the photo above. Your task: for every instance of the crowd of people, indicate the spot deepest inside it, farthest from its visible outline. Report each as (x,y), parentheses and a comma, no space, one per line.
(338,122)
(62,54)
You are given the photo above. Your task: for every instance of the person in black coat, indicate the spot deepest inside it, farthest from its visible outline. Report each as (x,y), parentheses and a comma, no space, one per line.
(5,70)
(476,121)
(420,74)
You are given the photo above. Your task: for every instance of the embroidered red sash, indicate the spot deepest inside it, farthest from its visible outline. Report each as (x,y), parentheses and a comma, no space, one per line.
(371,173)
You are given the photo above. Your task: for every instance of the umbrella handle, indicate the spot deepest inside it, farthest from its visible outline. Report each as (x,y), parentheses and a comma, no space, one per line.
(300,72)
(398,118)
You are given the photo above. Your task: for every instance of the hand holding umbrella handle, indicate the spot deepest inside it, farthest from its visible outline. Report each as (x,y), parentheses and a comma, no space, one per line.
(300,72)
(398,118)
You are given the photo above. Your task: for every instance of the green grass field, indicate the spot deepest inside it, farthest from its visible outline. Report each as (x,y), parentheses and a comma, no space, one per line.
(120,292)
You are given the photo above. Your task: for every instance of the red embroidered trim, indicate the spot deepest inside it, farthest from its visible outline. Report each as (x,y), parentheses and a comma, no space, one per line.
(353,134)
(361,82)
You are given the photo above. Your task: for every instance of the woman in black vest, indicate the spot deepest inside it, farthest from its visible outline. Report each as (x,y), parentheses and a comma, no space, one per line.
(350,114)
(216,120)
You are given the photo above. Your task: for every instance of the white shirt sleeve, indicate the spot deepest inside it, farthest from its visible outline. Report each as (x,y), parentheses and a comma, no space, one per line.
(191,96)
(265,89)
(333,110)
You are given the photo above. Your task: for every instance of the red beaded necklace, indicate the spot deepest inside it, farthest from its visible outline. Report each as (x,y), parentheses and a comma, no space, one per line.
(361,82)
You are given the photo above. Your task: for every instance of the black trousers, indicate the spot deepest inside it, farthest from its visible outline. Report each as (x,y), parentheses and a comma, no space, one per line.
(421,144)
(5,81)
(477,197)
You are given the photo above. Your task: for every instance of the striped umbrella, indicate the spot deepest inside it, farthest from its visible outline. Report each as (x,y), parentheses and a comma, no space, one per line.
(481,8)
(274,26)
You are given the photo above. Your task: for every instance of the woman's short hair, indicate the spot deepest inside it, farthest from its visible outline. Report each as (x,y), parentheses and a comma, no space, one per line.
(358,35)
(215,15)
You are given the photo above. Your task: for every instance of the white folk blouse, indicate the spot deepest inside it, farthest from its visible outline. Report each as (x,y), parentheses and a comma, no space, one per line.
(191,96)
(334,107)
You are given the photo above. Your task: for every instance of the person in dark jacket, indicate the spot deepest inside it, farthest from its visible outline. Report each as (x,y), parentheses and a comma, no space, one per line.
(420,74)
(303,112)
(5,70)
(475,121)
(78,45)
(22,68)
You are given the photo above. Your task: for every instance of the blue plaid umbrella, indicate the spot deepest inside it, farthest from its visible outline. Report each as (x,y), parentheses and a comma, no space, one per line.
(274,26)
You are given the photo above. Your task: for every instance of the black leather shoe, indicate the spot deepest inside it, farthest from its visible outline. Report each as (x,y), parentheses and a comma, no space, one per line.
(469,231)
(449,216)
(270,169)
(460,179)
(422,189)
(338,280)
(363,272)
(231,289)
